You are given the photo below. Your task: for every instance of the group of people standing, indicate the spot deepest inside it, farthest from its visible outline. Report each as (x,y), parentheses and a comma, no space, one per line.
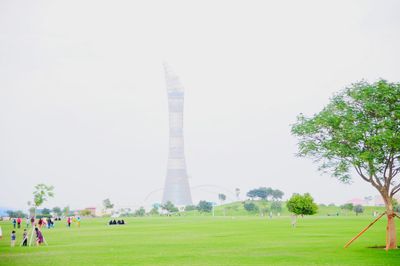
(74,219)
(37,225)
(38,233)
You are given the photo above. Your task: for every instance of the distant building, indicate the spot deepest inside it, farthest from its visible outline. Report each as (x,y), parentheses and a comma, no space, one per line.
(357,201)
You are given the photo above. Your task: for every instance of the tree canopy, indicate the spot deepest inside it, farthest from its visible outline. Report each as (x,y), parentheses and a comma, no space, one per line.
(204,206)
(250,207)
(359,130)
(41,194)
(302,204)
(57,211)
(169,206)
(358,209)
(107,204)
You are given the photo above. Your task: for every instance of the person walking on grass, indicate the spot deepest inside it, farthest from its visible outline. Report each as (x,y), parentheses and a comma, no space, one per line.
(14,222)
(27,222)
(13,238)
(69,221)
(19,221)
(294,220)
(1,233)
(25,238)
(48,223)
(39,237)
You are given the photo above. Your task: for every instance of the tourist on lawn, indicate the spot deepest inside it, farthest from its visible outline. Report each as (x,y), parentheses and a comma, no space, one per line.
(19,221)
(78,221)
(69,221)
(48,223)
(13,238)
(40,223)
(1,233)
(14,222)
(39,236)
(25,238)
(294,220)
(27,222)
(32,221)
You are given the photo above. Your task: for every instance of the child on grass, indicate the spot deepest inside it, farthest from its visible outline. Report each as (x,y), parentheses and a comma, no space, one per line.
(25,238)
(39,236)
(13,238)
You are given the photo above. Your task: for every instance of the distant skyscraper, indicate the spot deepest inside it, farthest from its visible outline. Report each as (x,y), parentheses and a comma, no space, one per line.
(176,188)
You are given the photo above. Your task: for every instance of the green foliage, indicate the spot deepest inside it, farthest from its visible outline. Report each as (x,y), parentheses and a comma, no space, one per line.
(107,204)
(276,194)
(250,206)
(396,205)
(358,209)
(154,211)
(358,129)
(261,193)
(222,197)
(85,212)
(302,204)
(347,206)
(41,194)
(264,193)
(170,207)
(140,212)
(204,206)
(276,206)
(16,214)
(46,212)
(57,211)
(190,208)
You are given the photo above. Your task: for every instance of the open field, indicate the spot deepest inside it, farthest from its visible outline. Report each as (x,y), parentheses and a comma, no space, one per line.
(205,241)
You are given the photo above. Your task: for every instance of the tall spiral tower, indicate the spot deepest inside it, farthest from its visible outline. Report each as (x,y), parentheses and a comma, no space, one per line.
(176,187)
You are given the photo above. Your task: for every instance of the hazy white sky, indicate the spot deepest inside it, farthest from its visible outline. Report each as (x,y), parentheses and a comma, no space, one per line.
(83,103)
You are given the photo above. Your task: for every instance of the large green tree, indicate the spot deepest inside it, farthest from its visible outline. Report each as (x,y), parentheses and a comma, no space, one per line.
(358,132)
(302,204)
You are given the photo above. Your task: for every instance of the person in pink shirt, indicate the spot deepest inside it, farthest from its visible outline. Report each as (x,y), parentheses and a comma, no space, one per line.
(19,221)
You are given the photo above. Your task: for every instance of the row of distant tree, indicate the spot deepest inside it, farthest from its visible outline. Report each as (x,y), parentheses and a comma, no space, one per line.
(45,212)
(265,193)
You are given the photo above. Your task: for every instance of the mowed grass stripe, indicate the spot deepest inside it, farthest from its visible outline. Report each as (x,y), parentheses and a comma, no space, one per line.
(206,241)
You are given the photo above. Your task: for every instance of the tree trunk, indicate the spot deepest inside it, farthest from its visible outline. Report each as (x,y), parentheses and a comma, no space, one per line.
(391,239)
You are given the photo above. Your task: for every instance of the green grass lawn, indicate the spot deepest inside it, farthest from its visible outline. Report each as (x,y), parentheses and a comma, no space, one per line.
(205,241)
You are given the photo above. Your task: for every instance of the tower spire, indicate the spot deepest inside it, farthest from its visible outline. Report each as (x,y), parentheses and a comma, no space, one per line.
(176,187)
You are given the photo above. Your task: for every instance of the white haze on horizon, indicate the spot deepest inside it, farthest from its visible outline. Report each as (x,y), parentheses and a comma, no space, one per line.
(83,103)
